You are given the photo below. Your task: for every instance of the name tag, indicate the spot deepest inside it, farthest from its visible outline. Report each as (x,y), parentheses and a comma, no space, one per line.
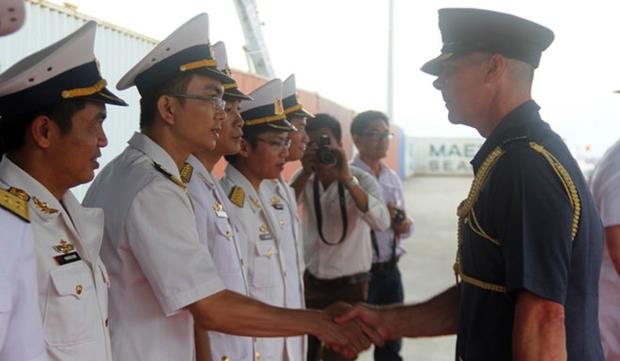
(64,259)
(265,237)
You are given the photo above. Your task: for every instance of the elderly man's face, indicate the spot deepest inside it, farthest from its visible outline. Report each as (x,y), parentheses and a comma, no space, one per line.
(462,85)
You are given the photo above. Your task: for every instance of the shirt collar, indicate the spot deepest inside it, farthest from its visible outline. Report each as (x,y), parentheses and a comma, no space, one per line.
(358,162)
(154,151)
(240,180)
(43,200)
(201,171)
(86,223)
(505,130)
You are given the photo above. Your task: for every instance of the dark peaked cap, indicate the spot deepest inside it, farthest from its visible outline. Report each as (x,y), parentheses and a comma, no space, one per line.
(470,30)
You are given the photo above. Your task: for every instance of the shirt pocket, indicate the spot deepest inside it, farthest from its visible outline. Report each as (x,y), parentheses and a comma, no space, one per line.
(224,251)
(229,347)
(265,261)
(71,306)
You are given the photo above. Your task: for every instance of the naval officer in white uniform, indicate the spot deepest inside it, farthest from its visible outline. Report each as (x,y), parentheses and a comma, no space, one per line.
(53,108)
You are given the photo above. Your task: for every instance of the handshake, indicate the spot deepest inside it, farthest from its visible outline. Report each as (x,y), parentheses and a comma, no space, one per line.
(352,329)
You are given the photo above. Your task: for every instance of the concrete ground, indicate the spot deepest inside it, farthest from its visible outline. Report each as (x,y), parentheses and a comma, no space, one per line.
(427,267)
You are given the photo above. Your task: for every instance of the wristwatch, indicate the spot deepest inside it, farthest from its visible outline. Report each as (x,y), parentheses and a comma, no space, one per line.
(352,182)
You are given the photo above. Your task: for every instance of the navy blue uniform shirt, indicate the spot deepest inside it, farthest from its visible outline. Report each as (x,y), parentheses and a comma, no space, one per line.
(524,206)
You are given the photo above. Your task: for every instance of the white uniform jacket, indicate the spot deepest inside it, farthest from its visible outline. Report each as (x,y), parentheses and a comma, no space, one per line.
(280,199)
(72,280)
(156,262)
(20,319)
(264,255)
(218,232)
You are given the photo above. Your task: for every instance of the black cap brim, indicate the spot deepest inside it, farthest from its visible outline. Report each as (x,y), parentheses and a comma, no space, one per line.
(107,97)
(301,113)
(235,94)
(435,65)
(215,74)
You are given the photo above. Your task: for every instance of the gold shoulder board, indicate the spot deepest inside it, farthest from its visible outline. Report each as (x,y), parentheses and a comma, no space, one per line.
(169,175)
(15,204)
(237,196)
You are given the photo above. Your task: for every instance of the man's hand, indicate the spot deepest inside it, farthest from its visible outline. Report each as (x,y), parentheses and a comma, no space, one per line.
(402,227)
(338,171)
(348,338)
(363,335)
(309,161)
(370,316)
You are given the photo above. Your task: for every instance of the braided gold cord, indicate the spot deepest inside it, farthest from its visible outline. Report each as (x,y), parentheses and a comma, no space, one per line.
(475,226)
(463,212)
(567,182)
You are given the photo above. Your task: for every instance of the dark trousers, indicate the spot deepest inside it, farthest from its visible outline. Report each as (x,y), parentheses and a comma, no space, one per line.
(386,287)
(322,293)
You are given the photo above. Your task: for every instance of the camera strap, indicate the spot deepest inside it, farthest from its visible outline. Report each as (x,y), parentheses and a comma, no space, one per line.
(319,215)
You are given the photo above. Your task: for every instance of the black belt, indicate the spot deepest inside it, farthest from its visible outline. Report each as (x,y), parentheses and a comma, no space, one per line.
(337,282)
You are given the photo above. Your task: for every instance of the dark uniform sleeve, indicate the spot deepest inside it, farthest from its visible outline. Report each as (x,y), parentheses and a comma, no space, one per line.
(533,220)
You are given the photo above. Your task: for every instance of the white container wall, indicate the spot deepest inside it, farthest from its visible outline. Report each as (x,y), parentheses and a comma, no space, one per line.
(443,156)
(116,49)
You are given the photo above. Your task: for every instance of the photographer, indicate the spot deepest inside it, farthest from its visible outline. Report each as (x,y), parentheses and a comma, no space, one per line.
(371,134)
(341,204)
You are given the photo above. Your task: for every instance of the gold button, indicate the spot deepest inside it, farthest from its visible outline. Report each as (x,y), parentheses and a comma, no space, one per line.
(78,289)
(225,358)
(282,222)
(228,233)
(258,355)
(269,253)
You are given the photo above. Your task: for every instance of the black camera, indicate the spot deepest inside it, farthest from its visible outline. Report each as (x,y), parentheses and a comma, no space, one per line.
(399,216)
(323,153)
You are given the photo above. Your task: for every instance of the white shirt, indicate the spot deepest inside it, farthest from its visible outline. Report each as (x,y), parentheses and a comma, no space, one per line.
(72,280)
(20,319)
(156,262)
(605,186)
(214,215)
(392,190)
(283,209)
(354,254)
(265,255)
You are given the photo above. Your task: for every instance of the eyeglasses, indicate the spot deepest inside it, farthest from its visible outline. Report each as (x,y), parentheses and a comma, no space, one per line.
(280,144)
(378,135)
(216,101)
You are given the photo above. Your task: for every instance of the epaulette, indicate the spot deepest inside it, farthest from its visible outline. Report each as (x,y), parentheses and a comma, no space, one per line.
(516,141)
(237,196)
(168,175)
(15,201)
(186,172)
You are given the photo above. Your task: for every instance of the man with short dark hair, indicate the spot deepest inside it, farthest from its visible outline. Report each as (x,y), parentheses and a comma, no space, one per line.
(164,280)
(529,239)
(341,204)
(371,134)
(250,180)
(20,318)
(52,108)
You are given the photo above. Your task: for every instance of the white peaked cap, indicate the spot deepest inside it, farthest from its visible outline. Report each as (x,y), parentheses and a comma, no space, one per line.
(219,49)
(231,90)
(290,100)
(186,50)
(266,94)
(266,107)
(66,69)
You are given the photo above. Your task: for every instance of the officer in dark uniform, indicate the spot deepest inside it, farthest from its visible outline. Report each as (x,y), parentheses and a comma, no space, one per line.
(529,239)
